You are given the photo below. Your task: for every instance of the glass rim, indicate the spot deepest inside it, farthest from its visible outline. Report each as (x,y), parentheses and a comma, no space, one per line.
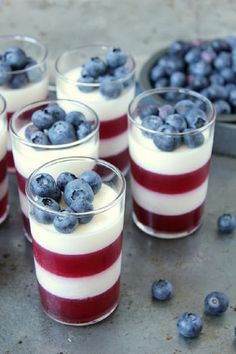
(24,140)
(31,40)
(97,84)
(189,92)
(97,161)
(4,108)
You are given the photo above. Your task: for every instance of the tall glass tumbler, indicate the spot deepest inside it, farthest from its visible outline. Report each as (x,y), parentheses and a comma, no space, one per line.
(170,166)
(78,273)
(112,111)
(3,162)
(28,155)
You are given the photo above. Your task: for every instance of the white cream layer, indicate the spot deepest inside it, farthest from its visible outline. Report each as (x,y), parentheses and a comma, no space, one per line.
(17,98)
(182,160)
(166,204)
(24,203)
(113,146)
(3,188)
(106,109)
(27,158)
(78,288)
(99,233)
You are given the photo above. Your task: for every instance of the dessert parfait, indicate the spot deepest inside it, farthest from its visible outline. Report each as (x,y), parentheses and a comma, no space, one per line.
(3,162)
(77,237)
(170,139)
(103,78)
(23,75)
(45,130)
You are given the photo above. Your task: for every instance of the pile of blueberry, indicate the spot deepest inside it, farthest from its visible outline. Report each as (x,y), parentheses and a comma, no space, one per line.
(106,73)
(208,67)
(13,60)
(226,223)
(52,125)
(190,324)
(76,192)
(184,117)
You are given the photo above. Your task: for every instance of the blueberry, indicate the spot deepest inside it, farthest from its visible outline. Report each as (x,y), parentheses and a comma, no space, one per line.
(230,87)
(18,81)
(95,67)
(193,139)
(220,44)
(183,106)
(93,179)
(193,55)
(162,290)
(39,138)
(5,73)
(29,130)
(198,82)
(120,73)
(196,118)
(151,122)
(110,89)
(205,92)
(216,303)
(42,120)
(177,121)
(226,223)
(165,111)
(81,205)
(189,325)
(65,223)
(178,48)
(217,92)
(222,60)
(77,189)
(157,72)
(84,80)
(162,82)
(167,141)
(15,57)
(55,111)
(64,178)
(148,110)
(33,72)
(228,75)
(61,132)
(43,216)
(231,40)
(232,97)
(217,79)
(173,64)
(177,79)
(200,68)
(84,129)
(75,118)
(222,107)
(116,57)
(208,55)
(43,185)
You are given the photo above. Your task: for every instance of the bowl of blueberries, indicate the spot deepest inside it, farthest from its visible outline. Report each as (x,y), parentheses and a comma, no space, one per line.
(207,67)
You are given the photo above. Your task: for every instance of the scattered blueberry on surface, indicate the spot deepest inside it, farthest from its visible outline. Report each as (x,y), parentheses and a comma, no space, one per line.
(43,216)
(162,290)
(216,303)
(226,223)
(93,179)
(64,178)
(189,325)
(65,223)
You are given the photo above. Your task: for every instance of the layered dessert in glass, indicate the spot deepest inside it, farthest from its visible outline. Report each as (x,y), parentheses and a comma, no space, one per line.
(45,130)
(3,162)
(23,75)
(77,240)
(103,78)
(171,134)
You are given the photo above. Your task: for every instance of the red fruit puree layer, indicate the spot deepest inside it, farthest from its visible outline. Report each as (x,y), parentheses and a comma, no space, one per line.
(78,265)
(3,205)
(113,127)
(80,311)
(169,184)
(169,223)
(3,168)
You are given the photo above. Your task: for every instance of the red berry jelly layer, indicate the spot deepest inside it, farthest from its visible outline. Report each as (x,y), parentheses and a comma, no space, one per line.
(169,184)
(3,205)
(78,265)
(10,160)
(120,160)
(113,127)
(3,168)
(169,223)
(80,311)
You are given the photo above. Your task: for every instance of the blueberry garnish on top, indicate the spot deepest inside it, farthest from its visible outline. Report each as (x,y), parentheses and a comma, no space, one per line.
(13,60)
(77,192)
(53,126)
(111,74)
